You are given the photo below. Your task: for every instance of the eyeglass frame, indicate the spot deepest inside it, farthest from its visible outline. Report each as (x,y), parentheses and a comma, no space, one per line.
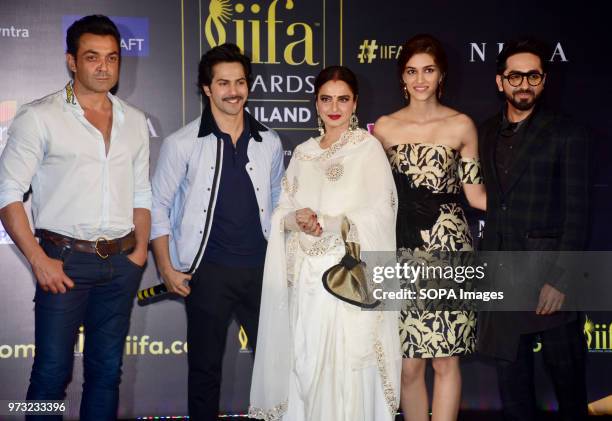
(523,76)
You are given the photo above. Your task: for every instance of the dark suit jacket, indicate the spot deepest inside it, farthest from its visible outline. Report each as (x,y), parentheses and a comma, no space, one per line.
(545,207)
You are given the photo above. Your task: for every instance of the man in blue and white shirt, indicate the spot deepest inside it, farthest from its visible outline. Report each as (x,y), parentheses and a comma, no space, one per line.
(215,186)
(86,154)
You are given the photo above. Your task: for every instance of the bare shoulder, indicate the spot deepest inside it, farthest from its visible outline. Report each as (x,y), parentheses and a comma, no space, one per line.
(383,123)
(386,127)
(460,122)
(381,128)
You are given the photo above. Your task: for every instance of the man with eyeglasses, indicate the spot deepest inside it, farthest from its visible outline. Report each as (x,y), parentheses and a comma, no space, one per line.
(535,165)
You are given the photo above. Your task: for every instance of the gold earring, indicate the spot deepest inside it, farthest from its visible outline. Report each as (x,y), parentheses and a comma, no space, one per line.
(406,94)
(320,125)
(353,122)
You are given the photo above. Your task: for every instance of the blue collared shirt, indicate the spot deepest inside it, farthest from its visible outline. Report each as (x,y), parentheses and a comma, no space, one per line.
(236,237)
(187,180)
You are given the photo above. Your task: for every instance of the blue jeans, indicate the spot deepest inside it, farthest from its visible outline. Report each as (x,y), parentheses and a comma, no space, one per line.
(101,301)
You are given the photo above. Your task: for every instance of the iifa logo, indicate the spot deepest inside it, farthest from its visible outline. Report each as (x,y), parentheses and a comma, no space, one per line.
(244,340)
(296,39)
(598,336)
(134,33)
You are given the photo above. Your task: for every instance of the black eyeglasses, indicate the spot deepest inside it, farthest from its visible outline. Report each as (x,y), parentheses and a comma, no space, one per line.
(516,78)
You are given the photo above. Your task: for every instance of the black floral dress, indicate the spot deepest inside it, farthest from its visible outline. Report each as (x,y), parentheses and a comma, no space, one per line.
(434,171)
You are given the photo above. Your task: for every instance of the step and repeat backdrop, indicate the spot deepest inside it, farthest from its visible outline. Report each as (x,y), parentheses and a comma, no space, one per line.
(290,41)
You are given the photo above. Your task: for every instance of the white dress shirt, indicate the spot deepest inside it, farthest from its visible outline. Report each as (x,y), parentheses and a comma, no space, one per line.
(78,190)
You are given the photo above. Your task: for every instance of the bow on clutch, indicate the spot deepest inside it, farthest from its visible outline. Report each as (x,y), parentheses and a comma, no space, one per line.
(346,280)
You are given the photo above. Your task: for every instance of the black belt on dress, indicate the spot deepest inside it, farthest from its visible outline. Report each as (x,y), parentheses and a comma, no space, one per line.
(418,209)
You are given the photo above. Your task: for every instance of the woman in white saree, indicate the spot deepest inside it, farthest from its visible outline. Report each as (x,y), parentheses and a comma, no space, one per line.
(320,358)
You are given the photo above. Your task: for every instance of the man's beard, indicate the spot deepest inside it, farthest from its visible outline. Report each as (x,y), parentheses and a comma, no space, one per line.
(522,104)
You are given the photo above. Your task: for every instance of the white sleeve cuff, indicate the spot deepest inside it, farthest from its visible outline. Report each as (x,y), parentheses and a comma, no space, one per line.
(10,195)
(143,199)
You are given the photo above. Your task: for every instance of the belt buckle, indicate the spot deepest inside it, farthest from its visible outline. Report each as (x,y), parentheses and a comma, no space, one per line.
(105,256)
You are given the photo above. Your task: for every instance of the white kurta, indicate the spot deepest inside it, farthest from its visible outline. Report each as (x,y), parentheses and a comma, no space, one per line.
(320,358)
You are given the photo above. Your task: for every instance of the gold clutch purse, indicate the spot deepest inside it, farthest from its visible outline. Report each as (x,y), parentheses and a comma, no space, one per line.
(346,280)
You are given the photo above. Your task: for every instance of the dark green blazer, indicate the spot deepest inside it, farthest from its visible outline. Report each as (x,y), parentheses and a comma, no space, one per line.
(545,207)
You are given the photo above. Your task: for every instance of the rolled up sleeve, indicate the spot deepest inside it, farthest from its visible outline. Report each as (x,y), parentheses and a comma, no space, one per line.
(142,186)
(168,175)
(278,170)
(21,157)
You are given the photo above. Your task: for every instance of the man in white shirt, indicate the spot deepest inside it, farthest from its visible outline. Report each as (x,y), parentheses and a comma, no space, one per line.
(86,155)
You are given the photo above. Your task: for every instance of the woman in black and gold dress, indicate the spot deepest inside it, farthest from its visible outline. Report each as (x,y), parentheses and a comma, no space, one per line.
(433,153)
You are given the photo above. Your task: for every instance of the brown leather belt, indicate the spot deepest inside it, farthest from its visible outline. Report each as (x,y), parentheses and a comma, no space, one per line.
(102,247)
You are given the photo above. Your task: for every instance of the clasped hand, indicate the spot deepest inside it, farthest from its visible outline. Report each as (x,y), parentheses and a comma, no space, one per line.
(308,222)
